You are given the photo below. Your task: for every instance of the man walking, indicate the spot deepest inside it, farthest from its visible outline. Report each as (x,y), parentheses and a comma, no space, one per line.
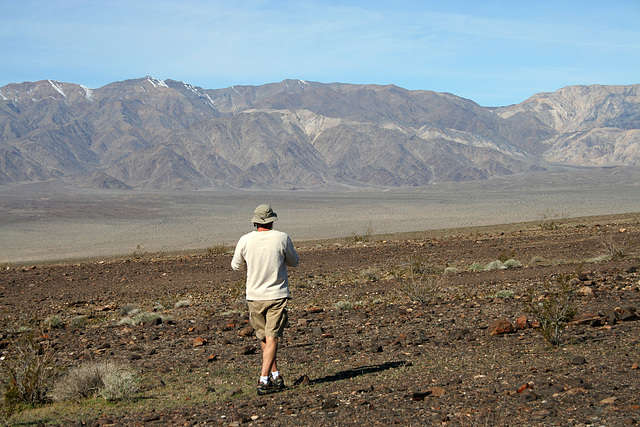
(267,253)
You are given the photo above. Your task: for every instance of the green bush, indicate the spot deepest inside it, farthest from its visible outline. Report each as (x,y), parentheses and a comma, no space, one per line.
(555,309)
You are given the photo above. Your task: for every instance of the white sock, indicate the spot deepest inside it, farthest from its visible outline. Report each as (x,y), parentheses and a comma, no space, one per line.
(275,374)
(264,380)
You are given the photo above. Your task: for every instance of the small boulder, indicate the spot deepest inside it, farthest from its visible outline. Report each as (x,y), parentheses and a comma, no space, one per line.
(199,342)
(522,322)
(501,327)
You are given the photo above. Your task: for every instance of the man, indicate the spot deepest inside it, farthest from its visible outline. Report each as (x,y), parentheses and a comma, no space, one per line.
(267,253)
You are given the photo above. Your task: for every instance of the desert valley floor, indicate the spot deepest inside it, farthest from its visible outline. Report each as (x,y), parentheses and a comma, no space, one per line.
(362,348)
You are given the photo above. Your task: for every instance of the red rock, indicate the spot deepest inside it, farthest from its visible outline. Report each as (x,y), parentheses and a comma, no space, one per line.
(500,327)
(525,386)
(522,323)
(199,342)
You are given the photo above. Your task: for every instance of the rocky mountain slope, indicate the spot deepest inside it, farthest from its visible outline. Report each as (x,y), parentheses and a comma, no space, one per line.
(154,134)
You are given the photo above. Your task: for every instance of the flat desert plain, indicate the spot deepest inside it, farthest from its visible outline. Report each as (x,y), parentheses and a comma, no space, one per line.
(49,222)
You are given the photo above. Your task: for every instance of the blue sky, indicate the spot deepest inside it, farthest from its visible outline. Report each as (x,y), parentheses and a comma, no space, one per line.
(493,52)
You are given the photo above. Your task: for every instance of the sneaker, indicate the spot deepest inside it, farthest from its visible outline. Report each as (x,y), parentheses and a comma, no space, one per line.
(278,382)
(267,388)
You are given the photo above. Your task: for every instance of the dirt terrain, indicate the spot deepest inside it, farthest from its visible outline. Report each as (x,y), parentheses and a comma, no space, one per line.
(360,350)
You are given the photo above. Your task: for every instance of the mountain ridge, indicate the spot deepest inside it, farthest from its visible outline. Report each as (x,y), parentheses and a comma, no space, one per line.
(148,133)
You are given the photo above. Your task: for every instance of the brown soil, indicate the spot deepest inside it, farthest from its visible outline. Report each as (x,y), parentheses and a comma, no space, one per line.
(358,350)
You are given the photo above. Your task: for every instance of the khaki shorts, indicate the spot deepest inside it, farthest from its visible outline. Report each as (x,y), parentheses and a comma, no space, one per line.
(268,318)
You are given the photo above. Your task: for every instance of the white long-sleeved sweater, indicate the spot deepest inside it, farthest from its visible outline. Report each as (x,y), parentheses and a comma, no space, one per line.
(267,255)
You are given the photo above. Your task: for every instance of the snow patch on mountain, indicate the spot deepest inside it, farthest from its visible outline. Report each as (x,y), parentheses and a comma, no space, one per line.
(88,93)
(57,87)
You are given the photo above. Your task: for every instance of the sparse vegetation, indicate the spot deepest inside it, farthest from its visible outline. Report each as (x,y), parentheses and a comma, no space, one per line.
(343,305)
(221,249)
(370,274)
(554,309)
(549,220)
(79,321)
(182,303)
(53,322)
(27,372)
(140,252)
(615,248)
(111,380)
(422,281)
(504,294)
(354,323)
(363,237)
(476,266)
(500,265)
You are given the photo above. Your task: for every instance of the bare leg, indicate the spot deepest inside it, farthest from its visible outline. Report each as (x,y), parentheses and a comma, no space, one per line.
(269,351)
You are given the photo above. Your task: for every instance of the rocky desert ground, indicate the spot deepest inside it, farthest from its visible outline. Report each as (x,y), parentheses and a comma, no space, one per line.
(400,329)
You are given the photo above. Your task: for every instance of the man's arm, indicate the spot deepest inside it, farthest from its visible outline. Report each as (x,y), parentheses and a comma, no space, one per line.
(238,259)
(291,257)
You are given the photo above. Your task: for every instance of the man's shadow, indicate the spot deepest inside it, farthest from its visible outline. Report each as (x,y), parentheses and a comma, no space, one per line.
(351,373)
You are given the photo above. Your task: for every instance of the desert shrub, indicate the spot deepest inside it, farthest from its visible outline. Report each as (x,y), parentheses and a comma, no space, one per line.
(144,317)
(450,270)
(343,305)
(108,379)
(504,294)
(78,321)
(495,265)
(503,265)
(53,322)
(599,259)
(27,373)
(512,263)
(120,385)
(422,280)
(128,310)
(182,303)
(371,274)
(364,237)
(555,309)
(615,248)
(140,252)
(221,249)
(476,266)
(549,221)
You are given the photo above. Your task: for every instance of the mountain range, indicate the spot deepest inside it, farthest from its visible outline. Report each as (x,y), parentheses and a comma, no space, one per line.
(164,134)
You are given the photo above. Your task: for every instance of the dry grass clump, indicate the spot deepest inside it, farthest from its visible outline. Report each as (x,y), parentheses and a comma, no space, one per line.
(221,249)
(422,280)
(110,380)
